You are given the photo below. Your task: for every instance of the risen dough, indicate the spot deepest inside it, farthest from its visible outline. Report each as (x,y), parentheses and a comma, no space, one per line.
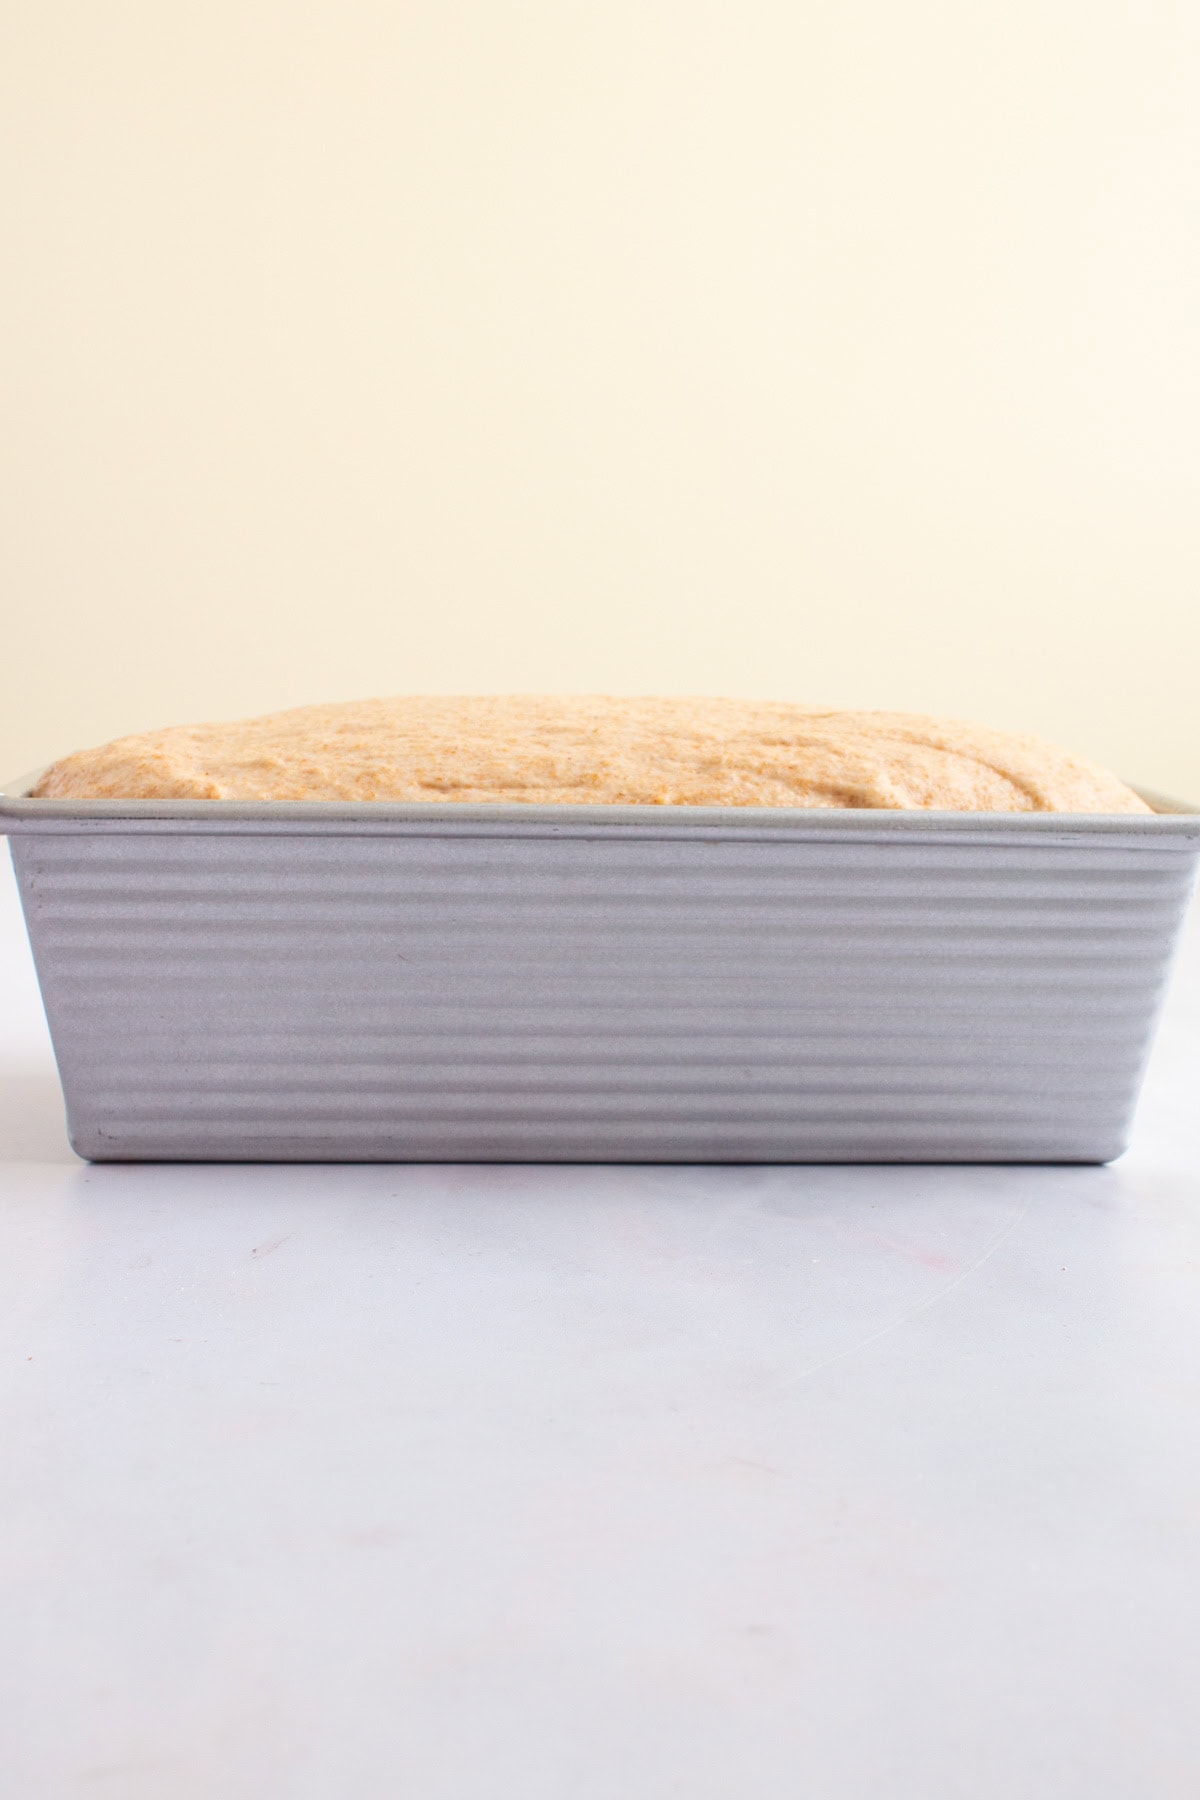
(598,750)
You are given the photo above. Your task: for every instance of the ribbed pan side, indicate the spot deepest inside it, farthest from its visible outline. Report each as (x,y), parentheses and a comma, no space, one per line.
(431,998)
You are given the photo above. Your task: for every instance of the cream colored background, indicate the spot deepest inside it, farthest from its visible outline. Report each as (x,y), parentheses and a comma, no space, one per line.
(830,351)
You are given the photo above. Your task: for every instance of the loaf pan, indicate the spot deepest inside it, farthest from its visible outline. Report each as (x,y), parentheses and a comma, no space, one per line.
(376,982)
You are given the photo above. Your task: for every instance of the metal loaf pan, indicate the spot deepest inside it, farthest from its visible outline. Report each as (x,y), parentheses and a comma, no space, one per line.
(652,984)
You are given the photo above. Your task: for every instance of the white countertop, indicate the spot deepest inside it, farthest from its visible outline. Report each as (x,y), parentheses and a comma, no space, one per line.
(469,1483)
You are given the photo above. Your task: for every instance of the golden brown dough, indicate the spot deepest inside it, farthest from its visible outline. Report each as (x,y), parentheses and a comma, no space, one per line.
(599,750)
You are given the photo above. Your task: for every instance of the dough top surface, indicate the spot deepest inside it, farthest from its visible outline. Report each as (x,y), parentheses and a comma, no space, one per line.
(595,750)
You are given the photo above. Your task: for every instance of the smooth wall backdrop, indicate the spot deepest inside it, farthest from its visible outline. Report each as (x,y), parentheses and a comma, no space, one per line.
(846,353)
